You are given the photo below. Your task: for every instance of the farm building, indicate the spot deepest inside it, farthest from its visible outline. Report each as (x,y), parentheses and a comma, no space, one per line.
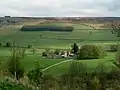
(47,28)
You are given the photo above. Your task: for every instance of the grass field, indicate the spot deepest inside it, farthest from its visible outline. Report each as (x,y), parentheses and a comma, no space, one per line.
(63,40)
(58,39)
(29,62)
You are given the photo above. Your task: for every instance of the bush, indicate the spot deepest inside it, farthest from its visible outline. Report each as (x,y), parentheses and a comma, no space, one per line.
(1,44)
(113,48)
(10,84)
(35,74)
(8,44)
(29,46)
(91,52)
(44,54)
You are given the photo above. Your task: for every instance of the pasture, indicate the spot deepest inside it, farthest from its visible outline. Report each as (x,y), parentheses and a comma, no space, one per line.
(81,35)
(28,62)
(58,40)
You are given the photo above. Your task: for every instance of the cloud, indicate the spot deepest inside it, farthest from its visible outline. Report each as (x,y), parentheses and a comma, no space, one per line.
(60,8)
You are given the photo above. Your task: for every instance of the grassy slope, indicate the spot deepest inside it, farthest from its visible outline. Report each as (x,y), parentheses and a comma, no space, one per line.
(90,64)
(29,61)
(58,39)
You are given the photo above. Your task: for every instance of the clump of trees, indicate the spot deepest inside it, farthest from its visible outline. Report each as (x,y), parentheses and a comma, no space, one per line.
(91,52)
(84,52)
(48,28)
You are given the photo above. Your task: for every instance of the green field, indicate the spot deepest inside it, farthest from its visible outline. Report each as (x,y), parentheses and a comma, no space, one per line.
(29,62)
(58,39)
(62,40)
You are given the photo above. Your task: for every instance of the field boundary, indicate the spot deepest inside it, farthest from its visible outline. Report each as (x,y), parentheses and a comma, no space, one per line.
(56,64)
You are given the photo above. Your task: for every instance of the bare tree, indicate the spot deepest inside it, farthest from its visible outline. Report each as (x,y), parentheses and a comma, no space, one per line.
(116,31)
(14,65)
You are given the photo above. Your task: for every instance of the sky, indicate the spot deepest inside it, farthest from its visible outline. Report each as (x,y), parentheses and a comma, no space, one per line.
(60,8)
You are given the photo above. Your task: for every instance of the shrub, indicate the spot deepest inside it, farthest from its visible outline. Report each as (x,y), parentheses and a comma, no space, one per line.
(95,84)
(8,83)
(36,73)
(29,46)
(11,86)
(91,52)
(1,44)
(8,44)
(113,48)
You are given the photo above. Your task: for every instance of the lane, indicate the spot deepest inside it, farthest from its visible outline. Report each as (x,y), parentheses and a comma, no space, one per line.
(56,64)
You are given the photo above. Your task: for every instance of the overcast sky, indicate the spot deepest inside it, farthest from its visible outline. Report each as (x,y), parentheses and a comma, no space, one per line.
(60,8)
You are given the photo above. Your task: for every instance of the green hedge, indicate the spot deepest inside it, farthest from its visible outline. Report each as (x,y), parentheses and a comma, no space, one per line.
(47,28)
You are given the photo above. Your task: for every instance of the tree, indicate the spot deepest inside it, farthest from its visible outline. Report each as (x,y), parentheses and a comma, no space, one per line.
(29,46)
(90,52)
(35,74)
(22,53)
(8,84)
(57,52)
(116,31)
(1,44)
(44,54)
(33,51)
(113,48)
(75,48)
(14,66)
(8,44)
